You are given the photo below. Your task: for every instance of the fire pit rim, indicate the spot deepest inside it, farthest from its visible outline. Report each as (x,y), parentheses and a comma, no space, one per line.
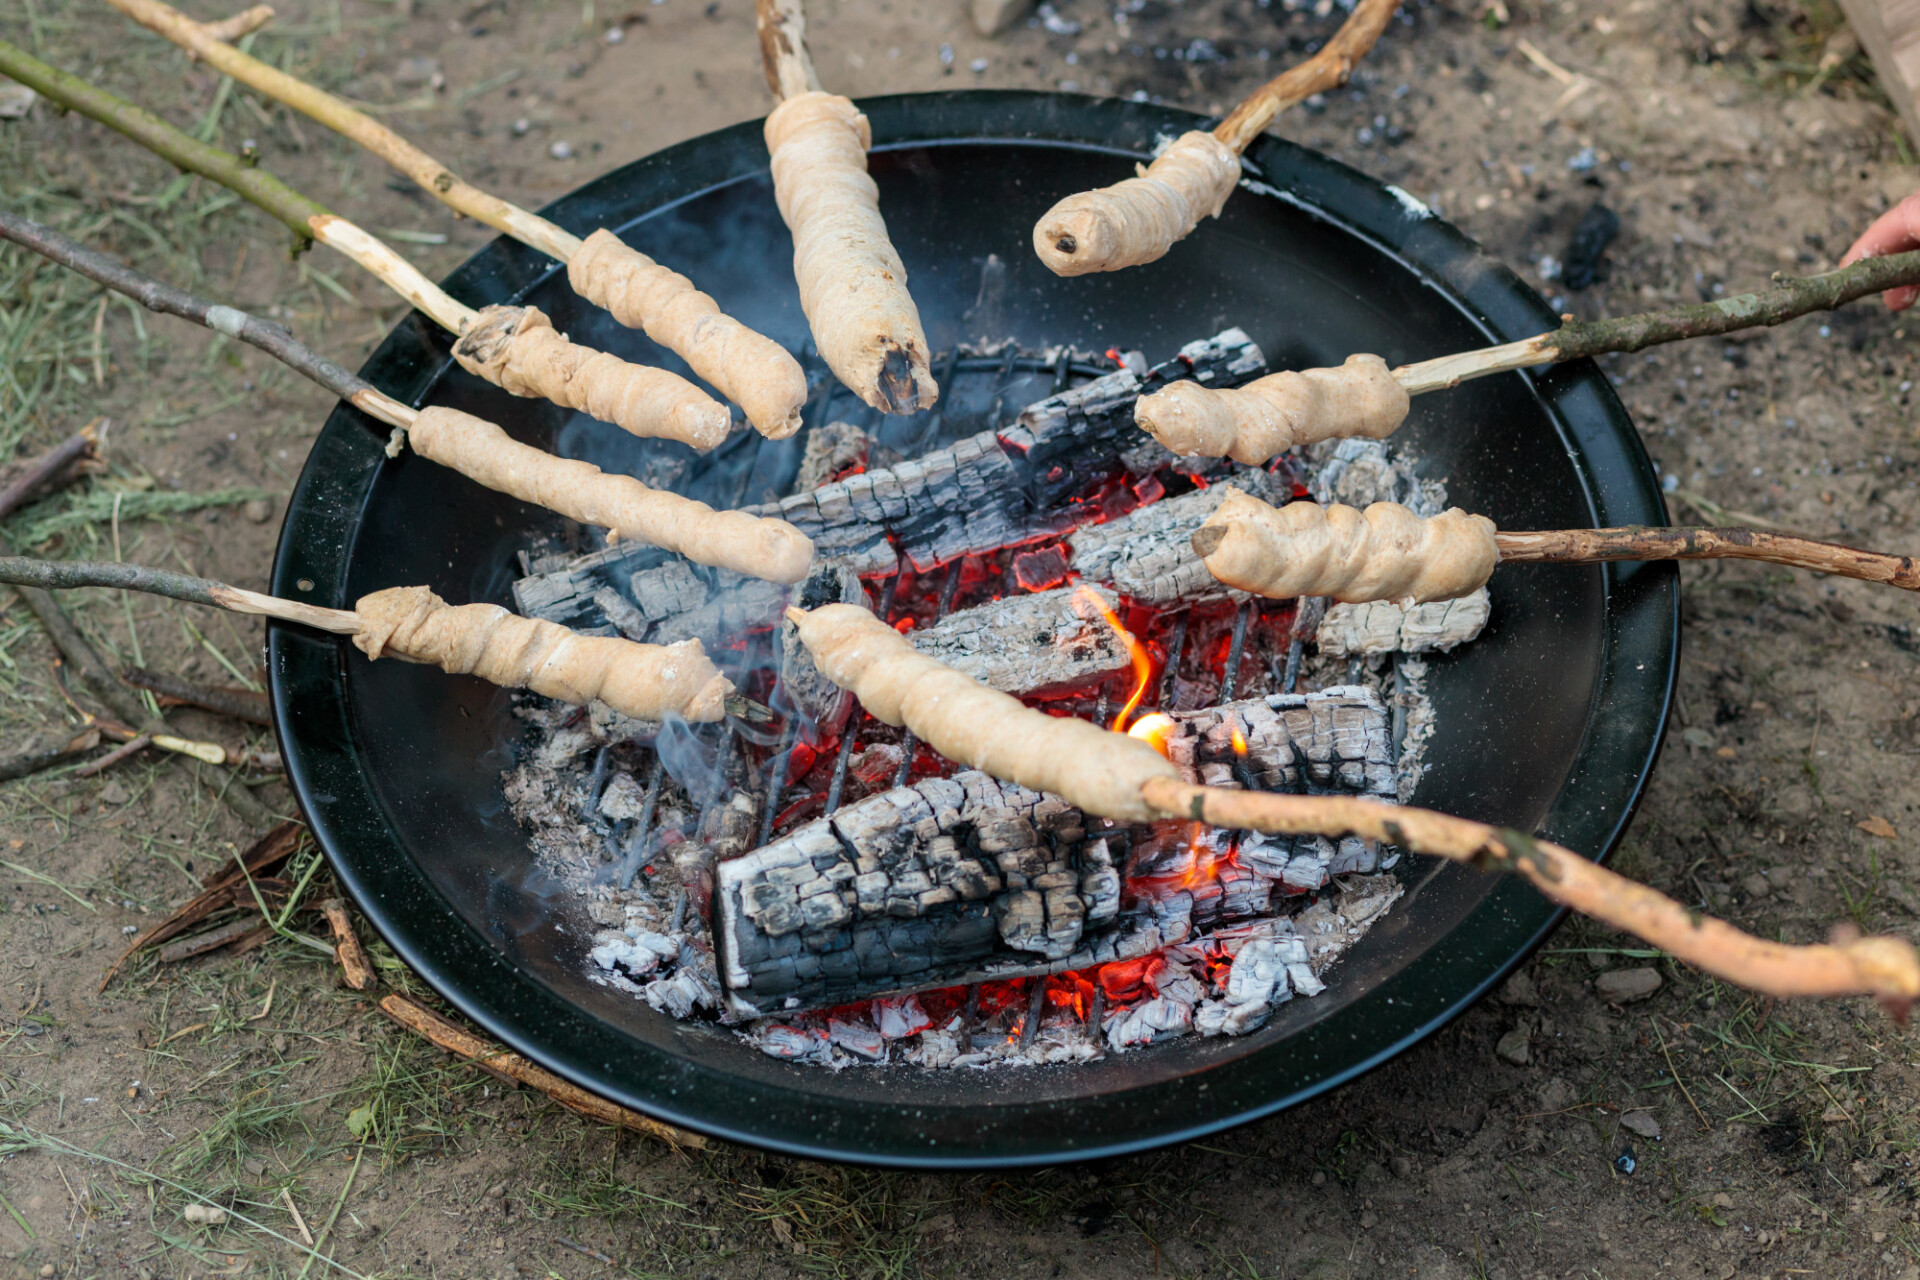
(311,694)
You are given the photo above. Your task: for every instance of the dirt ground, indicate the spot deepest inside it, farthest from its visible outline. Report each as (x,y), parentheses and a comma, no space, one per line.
(1784,800)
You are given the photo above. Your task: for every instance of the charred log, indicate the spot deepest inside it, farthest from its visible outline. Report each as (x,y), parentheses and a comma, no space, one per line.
(1147,555)
(1033,643)
(965,879)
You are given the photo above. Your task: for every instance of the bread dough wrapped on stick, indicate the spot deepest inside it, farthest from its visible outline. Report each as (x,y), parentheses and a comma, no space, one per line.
(518,350)
(1138,220)
(1383,553)
(752,371)
(645,681)
(1115,776)
(973,725)
(1388,553)
(753,545)
(1262,420)
(853,286)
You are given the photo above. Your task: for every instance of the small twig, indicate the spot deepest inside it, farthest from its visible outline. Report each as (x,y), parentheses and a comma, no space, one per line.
(352,956)
(53,468)
(511,1066)
(131,747)
(1641,542)
(1327,69)
(293,1211)
(47,756)
(577,1247)
(241,704)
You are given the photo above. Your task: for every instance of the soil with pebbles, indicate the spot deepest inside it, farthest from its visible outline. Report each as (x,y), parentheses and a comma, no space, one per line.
(1493,1149)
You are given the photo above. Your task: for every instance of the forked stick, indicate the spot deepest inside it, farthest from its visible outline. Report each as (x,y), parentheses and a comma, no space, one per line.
(646,681)
(1388,553)
(1138,220)
(753,545)
(853,286)
(1117,776)
(1263,419)
(515,348)
(749,369)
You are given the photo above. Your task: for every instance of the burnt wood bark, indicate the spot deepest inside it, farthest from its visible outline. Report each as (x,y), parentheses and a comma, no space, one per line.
(1147,555)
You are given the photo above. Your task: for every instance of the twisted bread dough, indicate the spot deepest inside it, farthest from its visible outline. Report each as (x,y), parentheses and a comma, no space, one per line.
(753,371)
(518,349)
(1264,419)
(1383,553)
(753,545)
(975,726)
(1138,220)
(853,285)
(645,681)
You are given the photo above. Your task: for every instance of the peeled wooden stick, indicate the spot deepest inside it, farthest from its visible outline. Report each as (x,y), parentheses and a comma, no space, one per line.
(520,352)
(753,371)
(753,545)
(853,286)
(645,681)
(1116,776)
(1389,553)
(1265,418)
(1138,220)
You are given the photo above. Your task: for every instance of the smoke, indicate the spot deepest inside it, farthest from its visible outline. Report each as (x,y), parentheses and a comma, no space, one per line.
(689,761)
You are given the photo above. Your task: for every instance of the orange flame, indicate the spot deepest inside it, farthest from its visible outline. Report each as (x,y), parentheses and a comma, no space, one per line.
(1239,740)
(1142,661)
(1155,729)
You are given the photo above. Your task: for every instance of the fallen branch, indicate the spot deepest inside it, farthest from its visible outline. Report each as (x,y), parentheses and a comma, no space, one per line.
(753,371)
(241,704)
(1138,220)
(125,751)
(1117,776)
(515,1069)
(262,856)
(213,939)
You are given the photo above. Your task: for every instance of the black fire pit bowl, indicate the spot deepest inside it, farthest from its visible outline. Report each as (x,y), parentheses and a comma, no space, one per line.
(1550,721)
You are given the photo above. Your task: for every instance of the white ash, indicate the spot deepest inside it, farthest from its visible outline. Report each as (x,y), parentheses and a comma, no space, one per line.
(1410,695)
(1358,473)
(831,449)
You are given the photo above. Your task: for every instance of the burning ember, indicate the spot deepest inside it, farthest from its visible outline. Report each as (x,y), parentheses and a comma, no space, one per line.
(841,895)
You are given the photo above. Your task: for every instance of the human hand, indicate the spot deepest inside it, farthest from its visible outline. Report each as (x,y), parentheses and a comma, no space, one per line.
(1895,231)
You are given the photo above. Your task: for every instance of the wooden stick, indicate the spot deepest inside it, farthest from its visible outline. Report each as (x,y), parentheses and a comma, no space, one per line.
(515,1069)
(62,575)
(782,25)
(1789,299)
(1328,69)
(752,370)
(1886,968)
(162,298)
(45,755)
(1642,542)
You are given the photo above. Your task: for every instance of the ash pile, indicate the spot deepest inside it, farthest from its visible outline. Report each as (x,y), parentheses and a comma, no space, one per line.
(841,895)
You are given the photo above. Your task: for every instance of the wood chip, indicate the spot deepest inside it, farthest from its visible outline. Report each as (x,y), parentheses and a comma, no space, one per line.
(352,956)
(1878,826)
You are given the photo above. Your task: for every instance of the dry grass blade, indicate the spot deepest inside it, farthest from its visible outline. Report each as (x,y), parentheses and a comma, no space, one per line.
(512,1067)
(268,851)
